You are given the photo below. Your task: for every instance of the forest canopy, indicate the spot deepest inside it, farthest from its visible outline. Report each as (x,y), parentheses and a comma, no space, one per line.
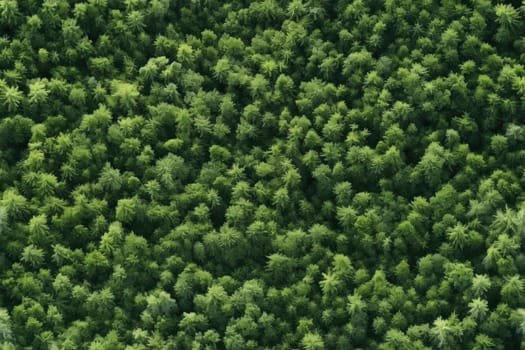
(255,175)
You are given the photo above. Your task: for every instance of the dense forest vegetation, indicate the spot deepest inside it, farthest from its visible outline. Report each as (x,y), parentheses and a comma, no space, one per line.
(245,175)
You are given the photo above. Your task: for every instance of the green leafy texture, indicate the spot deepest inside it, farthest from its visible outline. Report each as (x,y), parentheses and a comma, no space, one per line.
(37,92)
(11,98)
(266,174)
(124,94)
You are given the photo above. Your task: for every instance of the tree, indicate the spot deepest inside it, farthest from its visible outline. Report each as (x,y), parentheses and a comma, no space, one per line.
(6,332)
(125,94)
(458,236)
(281,198)
(97,122)
(519,320)
(505,221)
(330,285)
(100,303)
(258,86)
(507,16)
(513,289)
(280,266)
(445,332)
(483,342)
(185,53)
(47,184)
(480,285)
(212,304)
(126,210)
(478,308)
(460,275)
(33,256)
(38,229)
(312,341)
(346,216)
(396,339)
(9,12)
(37,92)
(11,98)
(432,163)
(135,21)
(159,304)
(296,9)
(110,179)
(356,306)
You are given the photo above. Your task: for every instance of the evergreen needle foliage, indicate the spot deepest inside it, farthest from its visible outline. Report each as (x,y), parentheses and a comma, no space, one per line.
(267,174)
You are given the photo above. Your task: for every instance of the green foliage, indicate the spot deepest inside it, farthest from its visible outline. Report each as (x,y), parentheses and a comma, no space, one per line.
(124,94)
(262,174)
(6,333)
